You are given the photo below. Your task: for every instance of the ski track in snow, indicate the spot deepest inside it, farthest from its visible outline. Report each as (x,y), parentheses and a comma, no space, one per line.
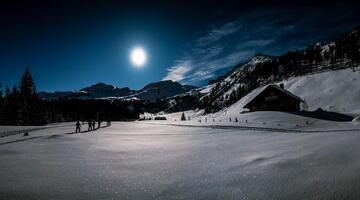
(254,128)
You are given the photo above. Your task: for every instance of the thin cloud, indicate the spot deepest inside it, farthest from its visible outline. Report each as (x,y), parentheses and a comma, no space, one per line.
(225,45)
(178,72)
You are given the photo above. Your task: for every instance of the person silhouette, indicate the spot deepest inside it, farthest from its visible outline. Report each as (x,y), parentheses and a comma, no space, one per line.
(89,125)
(78,127)
(99,123)
(93,125)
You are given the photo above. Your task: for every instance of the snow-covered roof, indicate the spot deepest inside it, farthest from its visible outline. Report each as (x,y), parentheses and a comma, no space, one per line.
(259,91)
(287,92)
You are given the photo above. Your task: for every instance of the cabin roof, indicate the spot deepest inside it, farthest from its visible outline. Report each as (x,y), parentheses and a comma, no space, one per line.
(276,87)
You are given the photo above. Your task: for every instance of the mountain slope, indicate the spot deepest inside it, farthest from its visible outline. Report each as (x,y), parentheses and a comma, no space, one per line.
(242,77)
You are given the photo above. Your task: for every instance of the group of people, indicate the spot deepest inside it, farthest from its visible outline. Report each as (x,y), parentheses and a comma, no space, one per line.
(91,125)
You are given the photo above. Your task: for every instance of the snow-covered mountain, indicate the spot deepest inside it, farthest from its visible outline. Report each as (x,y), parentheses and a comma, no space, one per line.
(162,89)
(217,95)
(151,91)
(103,90)
(261,70)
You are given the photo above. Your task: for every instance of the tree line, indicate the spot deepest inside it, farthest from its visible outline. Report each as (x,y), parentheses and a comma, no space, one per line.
(21,105)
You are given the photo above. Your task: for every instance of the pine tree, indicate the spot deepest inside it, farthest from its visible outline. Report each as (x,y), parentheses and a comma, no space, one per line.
(29,102)
(27,85)
(27,91)
(14,100)
(183,118)
(11,108)
(7,92)
(5,106)
(1,93)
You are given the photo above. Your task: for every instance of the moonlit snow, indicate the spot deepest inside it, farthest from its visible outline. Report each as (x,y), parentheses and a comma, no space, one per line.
(149,160)
(224,155)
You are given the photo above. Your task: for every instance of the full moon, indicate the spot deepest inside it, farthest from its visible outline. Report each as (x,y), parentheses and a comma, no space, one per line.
(138,57)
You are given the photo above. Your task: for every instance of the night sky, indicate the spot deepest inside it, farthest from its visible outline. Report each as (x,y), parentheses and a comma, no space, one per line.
(70,45)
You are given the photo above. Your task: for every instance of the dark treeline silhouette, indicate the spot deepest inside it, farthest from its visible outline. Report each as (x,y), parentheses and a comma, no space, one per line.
(96,109)
(343,53)
(21,105)
(113,110)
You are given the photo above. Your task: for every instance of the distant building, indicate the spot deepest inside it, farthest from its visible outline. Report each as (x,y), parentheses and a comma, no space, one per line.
(274,98)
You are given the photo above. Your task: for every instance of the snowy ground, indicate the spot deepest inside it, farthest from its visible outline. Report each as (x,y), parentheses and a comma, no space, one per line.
(13,130)
(264,120)
(137,160)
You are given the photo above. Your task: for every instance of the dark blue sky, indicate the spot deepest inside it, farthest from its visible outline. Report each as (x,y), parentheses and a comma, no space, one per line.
(71,45)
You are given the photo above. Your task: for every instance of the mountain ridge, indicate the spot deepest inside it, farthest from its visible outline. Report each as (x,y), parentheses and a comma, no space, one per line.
(151,91)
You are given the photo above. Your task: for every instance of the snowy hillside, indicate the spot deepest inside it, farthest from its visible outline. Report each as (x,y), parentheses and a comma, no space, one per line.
(336,91)
(236,78)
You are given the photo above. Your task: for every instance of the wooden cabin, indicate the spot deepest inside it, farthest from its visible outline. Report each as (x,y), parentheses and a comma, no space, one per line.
(274,98)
